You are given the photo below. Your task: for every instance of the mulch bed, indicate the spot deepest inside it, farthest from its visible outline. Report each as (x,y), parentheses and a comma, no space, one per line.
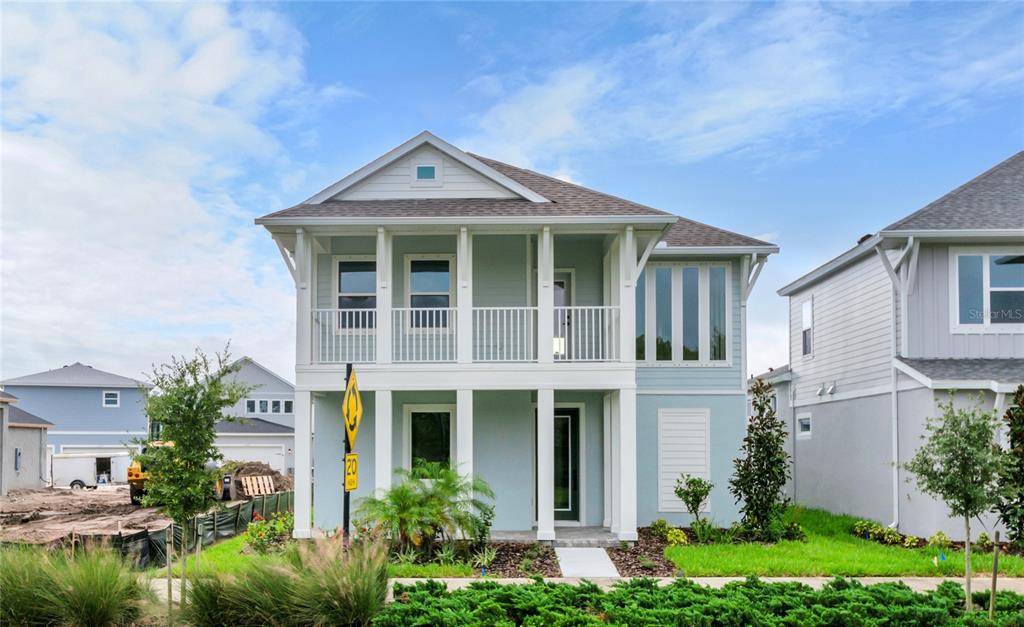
(646,558)
(509,561)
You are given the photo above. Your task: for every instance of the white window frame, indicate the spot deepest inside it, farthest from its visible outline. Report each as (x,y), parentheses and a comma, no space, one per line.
(277,402)
(704,308)
(985,252)
(411,257)
(804,435)
(408,411)
(117,397)
(255,406)
(807,301)
(437,181)
(337,293)
(287,407)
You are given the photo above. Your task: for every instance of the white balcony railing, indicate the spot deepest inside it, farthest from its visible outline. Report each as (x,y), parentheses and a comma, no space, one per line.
(424,335)
(504,334)
(344,336)
(586,333)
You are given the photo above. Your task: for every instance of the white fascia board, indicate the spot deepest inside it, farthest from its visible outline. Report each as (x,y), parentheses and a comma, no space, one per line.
(953,384)
(694,251)
(827,268)
(984,234)
(426,137)
(255,435)
(537,221)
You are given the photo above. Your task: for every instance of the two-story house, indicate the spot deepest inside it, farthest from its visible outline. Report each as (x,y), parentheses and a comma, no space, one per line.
(262,426)
(92,411)
(576,350)
(932,304)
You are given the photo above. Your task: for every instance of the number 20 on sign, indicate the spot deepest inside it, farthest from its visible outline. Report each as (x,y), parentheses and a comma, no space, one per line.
(351,472)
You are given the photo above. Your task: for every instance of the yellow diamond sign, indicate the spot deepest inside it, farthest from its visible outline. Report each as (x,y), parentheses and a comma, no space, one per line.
(352,410)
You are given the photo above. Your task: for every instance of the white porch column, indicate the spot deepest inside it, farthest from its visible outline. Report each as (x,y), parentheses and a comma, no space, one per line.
(464,431)
(616,472)
(606,459)
(464,299)
(382,440)
(304,298)
(546,464)
(627,464)
(384,297)
(627,296)
(545,297)
(303,464)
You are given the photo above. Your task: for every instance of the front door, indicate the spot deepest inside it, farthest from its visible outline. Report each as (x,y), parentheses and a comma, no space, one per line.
(567,463)
(563,316)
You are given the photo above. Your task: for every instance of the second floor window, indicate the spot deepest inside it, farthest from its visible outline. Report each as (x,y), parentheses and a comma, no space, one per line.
(356,293)
(683,313)
(988,289)
(807,327)
(429,287)
(112,399)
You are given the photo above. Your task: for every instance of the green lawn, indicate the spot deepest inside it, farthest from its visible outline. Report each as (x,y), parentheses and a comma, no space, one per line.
(226,557)
(830,550)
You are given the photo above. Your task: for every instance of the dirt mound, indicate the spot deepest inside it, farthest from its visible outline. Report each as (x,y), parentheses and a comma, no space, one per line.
(258,469)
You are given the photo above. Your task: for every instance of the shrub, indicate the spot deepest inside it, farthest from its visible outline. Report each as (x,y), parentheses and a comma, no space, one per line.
(704,531)
(939,541)
(447,556)
(984,543)
(891,536)
(863,528)
(431,503)
(485,557)
(1011,476)
(647,563)
(95,586)
(911,542)
(265,535)
(677,537)
(762,470)
(683,602)
(659,528)
(693,492)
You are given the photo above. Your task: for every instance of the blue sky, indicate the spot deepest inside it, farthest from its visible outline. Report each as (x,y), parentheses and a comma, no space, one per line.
(139,141)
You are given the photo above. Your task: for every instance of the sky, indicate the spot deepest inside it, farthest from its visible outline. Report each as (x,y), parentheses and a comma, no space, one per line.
(139,142)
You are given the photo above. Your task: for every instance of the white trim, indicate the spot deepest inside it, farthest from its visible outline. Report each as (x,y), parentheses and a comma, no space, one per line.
(58,432)
(702,412)
(953,384)
(256,435)
(409,221)
(437,181)
(804,435)
(582,487)
(956,233)
(878,390)
(807,301)
(452,270)
(986,326)
(336,292)
(425,137)
(677,322)
(103,399)
(407,412)
(682,251)
(705,392)
(121,447)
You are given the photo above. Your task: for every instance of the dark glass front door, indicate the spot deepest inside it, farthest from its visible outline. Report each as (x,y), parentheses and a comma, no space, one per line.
(567,463)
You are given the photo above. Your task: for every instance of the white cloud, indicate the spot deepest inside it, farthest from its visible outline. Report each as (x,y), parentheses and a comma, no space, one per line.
(124,134)
(760,79)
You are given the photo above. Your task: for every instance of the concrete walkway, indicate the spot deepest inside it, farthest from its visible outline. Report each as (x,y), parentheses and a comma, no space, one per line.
(585,562)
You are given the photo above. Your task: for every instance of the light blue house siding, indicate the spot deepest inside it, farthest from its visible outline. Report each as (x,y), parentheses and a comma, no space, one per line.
(79,417)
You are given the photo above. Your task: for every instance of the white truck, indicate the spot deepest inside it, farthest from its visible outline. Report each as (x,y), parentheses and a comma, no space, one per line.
(86,470)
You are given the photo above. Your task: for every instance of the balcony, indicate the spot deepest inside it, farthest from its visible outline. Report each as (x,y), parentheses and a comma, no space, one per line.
(498,335)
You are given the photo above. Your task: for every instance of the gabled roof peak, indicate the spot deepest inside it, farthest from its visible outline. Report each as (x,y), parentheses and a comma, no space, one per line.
(76,375)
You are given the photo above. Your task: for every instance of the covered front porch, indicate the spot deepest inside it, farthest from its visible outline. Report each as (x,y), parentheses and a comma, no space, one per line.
(555,459)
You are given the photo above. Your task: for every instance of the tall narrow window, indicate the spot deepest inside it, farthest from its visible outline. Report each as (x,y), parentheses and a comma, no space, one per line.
(641,316)
(430,289)
(250,406)
(357,294)
(807,326)
(288,407)
(691,314)
(716,311)
(663,313)
(971,287)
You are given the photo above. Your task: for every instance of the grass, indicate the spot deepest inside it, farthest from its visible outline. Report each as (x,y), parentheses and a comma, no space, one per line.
(830,550)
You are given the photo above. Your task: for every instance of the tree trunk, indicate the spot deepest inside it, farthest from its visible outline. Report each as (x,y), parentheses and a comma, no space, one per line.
(967,564)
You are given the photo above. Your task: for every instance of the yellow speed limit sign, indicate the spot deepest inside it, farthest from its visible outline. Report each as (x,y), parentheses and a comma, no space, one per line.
(352,409)
(351,472)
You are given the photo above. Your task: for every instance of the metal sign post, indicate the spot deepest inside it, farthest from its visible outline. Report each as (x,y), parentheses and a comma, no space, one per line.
(352,414)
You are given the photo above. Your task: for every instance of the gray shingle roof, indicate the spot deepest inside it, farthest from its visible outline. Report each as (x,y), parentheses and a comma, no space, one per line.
(686,232)
(998,370)
(252,425)
(75,375)
(992,200)
(19,416)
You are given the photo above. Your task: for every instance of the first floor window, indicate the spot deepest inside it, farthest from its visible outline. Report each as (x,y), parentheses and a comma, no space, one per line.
(275,407)
(430,434)
(17,460)
(250,406)
(288,407)
(989,289)
(803,426)
(357,293)
(264,407)
(112,399)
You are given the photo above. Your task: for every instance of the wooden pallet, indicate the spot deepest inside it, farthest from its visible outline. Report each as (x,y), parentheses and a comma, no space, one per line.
(257,486)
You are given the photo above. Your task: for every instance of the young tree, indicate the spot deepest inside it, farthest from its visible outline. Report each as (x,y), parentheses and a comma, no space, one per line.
(188,397)
(760,475)
(693,492)
(1011,478)
(959,463)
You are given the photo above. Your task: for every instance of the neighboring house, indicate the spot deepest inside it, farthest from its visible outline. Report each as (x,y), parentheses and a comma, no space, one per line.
(22,447)
(92,411)
(879,335)
(264,429)
(575,350)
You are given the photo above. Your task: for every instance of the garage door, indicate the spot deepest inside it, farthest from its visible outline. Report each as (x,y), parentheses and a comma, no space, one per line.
(270,454)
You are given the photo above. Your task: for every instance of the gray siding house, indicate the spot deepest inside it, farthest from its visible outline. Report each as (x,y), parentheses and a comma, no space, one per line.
(92,411)
(262,429)
(22,447)
(576,350)
(932,304)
